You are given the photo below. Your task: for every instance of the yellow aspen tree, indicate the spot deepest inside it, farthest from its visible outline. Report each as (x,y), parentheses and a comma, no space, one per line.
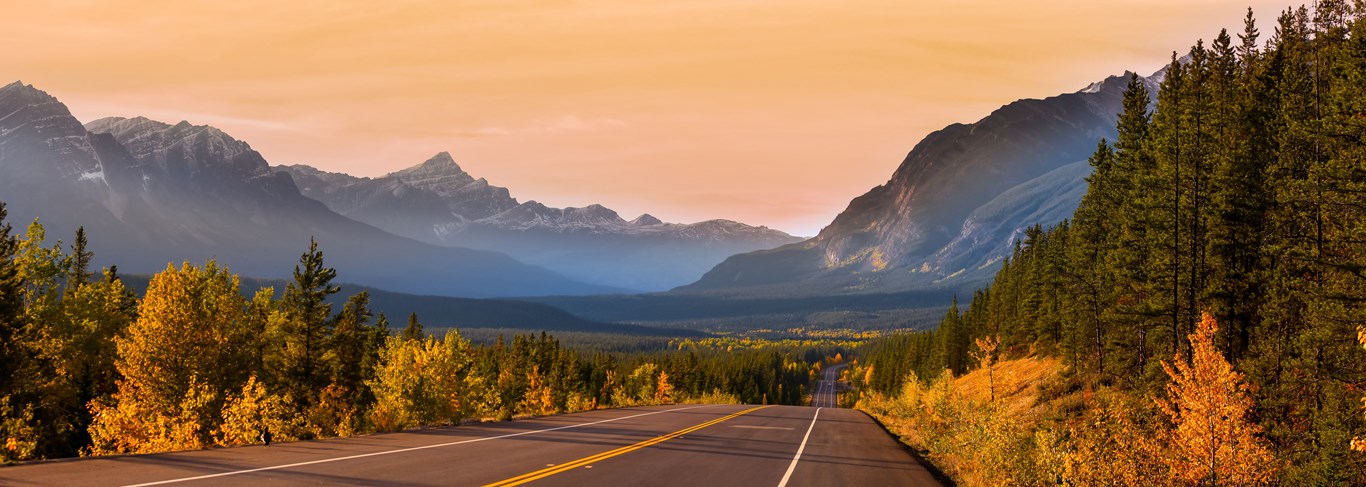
(1212,442)
(250,413)
(1359,444)
(986,355)
(419,381)
(179,360)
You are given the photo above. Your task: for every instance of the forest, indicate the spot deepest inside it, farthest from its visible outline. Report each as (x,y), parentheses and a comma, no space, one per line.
(1226,224)
(87,367)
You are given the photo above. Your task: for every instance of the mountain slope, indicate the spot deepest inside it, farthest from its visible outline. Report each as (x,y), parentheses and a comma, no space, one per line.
(439,203)
(149,193)
(935,216)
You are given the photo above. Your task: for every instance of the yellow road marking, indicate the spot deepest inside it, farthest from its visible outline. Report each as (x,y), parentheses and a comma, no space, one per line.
(585,461)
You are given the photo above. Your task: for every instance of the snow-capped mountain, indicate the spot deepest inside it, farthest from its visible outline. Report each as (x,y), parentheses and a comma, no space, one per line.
(952,209)
(149,193)
(439,203)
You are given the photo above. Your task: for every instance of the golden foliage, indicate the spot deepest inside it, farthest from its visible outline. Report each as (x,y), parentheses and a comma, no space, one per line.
(187,350)
(250,413)
(1111,444)
(664,391)
(986,358)
(133,425)
(539,399)
(1359,444)
(418,382)
(1212,442)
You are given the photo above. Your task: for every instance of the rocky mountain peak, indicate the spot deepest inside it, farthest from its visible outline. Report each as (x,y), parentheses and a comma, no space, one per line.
(184,150)
(440,174)
(646,220)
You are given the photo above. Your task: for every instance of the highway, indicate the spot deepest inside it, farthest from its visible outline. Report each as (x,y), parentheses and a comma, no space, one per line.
(827,389)
(710,445)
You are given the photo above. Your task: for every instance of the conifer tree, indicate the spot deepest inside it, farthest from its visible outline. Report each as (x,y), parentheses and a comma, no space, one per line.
(349,341)
(79,267)
(306,331)
(414,329)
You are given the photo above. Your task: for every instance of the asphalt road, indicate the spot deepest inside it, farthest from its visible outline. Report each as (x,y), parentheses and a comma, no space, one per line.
(827,389)
(712,446)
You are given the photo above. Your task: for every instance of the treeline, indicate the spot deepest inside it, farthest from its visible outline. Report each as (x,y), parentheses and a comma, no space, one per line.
(88,368)
(1241,194)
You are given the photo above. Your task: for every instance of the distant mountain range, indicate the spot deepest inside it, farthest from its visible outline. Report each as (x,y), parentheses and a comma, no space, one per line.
(149,193)
(439,203)
(951,211)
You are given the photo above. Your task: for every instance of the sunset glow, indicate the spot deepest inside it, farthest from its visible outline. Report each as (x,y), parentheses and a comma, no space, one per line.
(770,113)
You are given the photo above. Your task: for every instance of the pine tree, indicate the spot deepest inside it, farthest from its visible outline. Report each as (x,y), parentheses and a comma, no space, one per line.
(78,273)
(306,331)
(414,329)
(349,340)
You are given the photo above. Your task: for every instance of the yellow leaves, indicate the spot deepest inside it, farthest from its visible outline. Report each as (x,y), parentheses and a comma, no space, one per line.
(248,414)
(419,382)
(664,390)
(1212,441)
(185,353)
(1359,444)
(139,426)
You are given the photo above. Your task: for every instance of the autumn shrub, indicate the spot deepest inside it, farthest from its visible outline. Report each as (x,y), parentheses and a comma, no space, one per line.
(417,382)
(252,412)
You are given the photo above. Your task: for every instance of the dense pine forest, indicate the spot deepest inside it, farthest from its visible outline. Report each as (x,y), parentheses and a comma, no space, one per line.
(1241,194)
(89,368)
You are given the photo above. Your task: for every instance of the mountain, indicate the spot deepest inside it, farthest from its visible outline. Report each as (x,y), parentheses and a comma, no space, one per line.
(150,193)
(951,210)
(439,203)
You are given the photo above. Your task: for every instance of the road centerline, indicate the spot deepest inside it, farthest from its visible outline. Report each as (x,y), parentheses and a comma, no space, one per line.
(793,467)
(402,450)
(586,462)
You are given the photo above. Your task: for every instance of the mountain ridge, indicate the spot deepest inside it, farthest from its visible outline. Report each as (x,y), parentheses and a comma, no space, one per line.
(439,203)
(191,193)
(910,232)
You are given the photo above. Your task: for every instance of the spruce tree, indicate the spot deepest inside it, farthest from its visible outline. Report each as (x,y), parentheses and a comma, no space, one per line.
(79,267)
(414,329)
(307,331)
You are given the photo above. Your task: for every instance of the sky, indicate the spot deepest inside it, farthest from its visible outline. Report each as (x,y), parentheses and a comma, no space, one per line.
(772,113)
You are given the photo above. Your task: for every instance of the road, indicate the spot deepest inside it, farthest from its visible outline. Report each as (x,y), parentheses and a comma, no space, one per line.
(711,445)
(827,389)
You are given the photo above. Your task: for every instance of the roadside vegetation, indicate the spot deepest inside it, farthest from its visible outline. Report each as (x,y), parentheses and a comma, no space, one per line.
(87,367)
(1199,321)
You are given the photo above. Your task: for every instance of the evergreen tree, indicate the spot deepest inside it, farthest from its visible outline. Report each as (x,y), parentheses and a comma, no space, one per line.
(349,346)
(306,331)
(79,270)
(414,329)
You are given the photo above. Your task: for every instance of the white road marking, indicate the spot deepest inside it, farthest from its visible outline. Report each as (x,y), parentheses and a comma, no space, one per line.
(402,450)
(800,449)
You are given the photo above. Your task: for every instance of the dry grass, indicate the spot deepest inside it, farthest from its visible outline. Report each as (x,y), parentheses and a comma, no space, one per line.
(1017,381)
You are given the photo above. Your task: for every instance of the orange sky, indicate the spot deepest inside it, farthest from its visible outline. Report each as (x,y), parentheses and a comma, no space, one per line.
(769,112)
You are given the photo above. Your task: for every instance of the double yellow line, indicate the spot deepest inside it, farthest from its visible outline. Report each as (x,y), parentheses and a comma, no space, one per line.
(546,472)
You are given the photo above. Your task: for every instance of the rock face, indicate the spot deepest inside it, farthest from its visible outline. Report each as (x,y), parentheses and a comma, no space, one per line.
(439,203)
(952,208)
(149,193)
